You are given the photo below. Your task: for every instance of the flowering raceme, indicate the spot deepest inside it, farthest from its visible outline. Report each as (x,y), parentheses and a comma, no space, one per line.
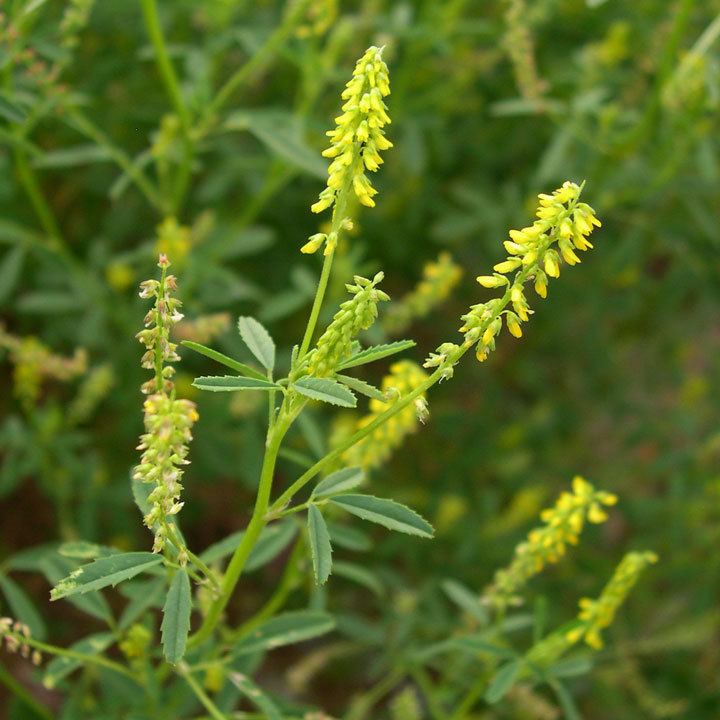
(168,421)
(357,140)
(562,221)
(354,316)
(544,545)
(596,615)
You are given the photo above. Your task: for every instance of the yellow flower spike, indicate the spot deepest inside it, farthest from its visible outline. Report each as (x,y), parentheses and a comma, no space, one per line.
(358,137)
(547,544)
(596,615)
(562,221)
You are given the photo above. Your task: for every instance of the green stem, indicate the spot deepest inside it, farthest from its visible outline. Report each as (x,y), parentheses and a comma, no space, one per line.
(428,691)
(319,466)
(194,559)
(29,181)
(362,706)
(172,85)
(257,522)
(288,582)
(473,695)
(200,694)
(167,71)
(317,303)
(74,655)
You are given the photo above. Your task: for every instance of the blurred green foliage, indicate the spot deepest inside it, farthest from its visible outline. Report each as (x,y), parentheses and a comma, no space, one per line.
(616,377)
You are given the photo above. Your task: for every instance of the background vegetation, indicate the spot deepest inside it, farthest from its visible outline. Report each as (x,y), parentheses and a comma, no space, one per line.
(104,162)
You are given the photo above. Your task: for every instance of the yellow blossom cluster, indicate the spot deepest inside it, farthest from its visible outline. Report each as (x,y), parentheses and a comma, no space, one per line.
(404,377)
(439,279)
(596,615)
(358,137)
(535,253)
(546,544)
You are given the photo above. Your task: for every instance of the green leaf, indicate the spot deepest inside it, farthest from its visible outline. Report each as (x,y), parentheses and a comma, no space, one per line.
(83,550)
(255,695)
(465,599)
(281,132)
(273,540)
(571,667)
(55,567)
(10,271)
(320,548)
(223,359)
(22,607)
(325,390)
(387,513)
(73,156)
(339,482)
(286,629)
(503,681)
(61,667)
(358,574)
(471,644)
(103,572)
(11,111)
(147,594)
(258,340)
(362,387)
(176,617)
(349,538)
(567,704)
(376,352)
(141,493)
(232,383)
